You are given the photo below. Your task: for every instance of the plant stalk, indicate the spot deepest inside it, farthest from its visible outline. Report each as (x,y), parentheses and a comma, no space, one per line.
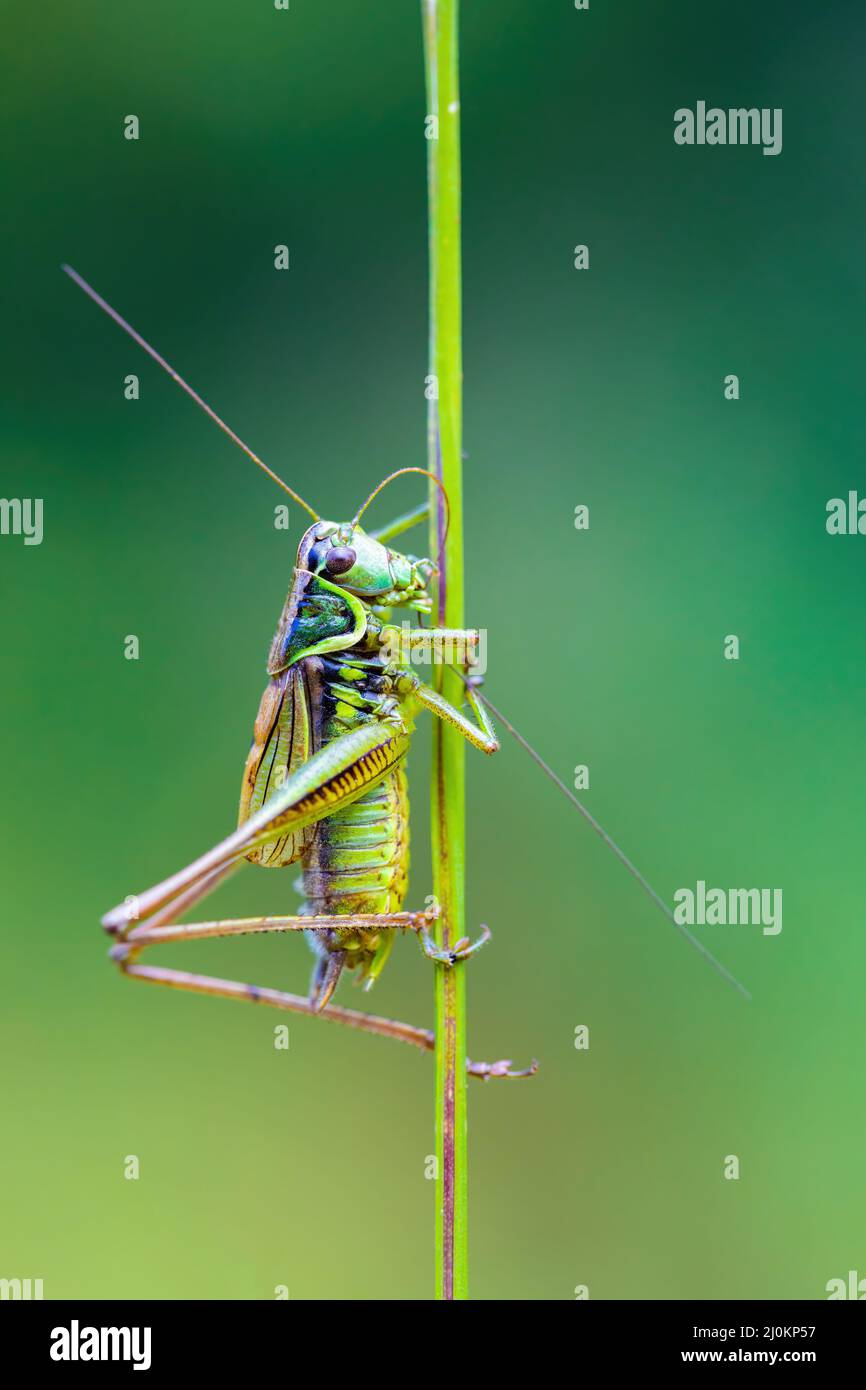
(444,444)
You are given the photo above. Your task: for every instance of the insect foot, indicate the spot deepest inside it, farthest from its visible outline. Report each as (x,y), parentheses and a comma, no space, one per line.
(486,1070)
(461,950)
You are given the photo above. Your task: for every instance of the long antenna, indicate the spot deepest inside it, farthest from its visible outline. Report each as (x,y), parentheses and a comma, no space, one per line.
(175,376)
(611,844)
(399,474)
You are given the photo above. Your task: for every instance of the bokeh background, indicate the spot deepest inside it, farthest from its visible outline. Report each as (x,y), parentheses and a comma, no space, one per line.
(306,1167)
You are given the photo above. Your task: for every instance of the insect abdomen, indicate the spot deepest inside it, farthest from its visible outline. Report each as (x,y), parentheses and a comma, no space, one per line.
(359,860)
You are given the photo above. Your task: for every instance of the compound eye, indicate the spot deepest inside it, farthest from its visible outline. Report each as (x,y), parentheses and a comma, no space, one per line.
(339,559)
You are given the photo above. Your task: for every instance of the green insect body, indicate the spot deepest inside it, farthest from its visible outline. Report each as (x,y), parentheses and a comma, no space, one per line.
(324,783)
(328,678)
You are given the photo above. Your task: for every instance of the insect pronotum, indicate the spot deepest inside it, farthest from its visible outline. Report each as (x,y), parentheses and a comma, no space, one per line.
(324,783)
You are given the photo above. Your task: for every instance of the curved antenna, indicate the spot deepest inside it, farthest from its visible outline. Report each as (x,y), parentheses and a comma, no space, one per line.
(399,473)
(175,376)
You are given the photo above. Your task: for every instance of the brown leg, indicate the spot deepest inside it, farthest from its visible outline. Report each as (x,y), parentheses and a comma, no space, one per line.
(152,933)
(295,1003)
(160,927)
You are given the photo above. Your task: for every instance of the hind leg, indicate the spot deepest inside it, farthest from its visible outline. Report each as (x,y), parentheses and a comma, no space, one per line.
(319,929)
(134,940)
(297,1004)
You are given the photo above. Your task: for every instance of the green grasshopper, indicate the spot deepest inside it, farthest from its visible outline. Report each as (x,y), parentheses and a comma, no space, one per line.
(324,783)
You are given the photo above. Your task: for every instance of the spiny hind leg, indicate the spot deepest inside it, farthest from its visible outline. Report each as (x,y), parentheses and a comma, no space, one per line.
(160,929)
(329,780)
(295,1003)
(258,994)
(153,934)
(329,963)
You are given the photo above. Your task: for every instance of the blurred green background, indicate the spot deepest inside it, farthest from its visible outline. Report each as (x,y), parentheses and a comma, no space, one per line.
(306,1167)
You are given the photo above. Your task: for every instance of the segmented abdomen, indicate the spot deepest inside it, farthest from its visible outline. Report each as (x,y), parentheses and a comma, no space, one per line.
(359,859)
